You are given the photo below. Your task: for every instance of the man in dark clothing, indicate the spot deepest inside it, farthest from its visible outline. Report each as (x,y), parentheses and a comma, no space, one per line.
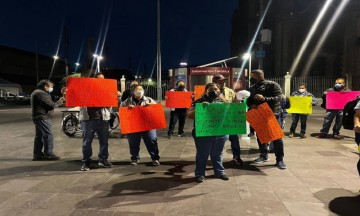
(266,91)
(42,109)
(333,113)
(177,113)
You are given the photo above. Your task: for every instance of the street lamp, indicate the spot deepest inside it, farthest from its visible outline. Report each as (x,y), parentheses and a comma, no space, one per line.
(183,64)
(247,56)
(98,59)
(77,65)
(56,57)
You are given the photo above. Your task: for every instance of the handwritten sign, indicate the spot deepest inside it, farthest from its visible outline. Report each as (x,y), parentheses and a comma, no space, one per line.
(265,124)
(178,99)
(142,118)
(91,92)
(300,105)
(198,91)
(338,100)
(217,119)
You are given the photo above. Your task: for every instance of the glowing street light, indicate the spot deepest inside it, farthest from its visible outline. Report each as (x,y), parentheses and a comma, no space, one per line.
(149,80)
(56,57)
(77,65)
(183,64)
(98,59)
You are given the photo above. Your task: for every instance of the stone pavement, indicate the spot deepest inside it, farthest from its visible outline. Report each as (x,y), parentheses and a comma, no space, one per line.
(321,178)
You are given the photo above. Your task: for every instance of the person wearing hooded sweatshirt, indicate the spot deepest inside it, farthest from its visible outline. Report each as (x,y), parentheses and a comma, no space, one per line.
(301,92)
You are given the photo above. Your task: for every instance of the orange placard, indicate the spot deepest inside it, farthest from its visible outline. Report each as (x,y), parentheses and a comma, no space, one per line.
(198,91)
(178,99)
(91,92)
(142,118)
(265,124)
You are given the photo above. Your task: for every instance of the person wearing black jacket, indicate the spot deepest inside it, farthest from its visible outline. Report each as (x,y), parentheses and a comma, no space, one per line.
(266,91)
(42,107)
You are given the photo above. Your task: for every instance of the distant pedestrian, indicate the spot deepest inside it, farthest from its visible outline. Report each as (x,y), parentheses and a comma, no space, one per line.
(330,114)
(177,113)
(128,92)
(208,145)
(150,137)
(266,91)
(301,92)
(95,120)
(42,108)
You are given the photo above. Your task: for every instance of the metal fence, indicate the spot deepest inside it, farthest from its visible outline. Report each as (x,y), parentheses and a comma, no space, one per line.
(151,88)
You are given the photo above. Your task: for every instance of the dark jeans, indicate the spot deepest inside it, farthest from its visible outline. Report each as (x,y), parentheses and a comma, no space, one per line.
(178,113)
(150,140)
(235,145)
(278,146)
(328,118)
(43,137)
(357,140)
(295,120)
(89,128)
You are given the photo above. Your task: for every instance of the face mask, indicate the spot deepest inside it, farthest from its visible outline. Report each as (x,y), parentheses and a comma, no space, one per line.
(50,90)
(213,94)
(139,93)
(181,87)
(253,81)
(301,90)
(338,86)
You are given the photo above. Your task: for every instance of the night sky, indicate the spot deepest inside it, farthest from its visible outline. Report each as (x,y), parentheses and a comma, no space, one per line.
(195,31)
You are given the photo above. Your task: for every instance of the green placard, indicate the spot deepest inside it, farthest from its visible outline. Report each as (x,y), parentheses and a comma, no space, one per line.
(217,119)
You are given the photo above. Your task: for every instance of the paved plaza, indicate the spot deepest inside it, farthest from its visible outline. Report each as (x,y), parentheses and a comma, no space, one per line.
(321,178)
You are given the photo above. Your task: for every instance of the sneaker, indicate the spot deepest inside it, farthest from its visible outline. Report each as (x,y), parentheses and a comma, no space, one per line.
(51,157)
(200,179)
(337,136)
(155,163)
(86,167)
(281,165)
(261,160)
(291,135)
(134,162)
(302,136)
(104,163)
(38,157)
(238,161)
(224,177)
(322,135)
(181,135)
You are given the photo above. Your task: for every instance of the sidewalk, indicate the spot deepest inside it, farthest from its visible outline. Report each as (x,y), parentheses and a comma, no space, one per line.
(321,175)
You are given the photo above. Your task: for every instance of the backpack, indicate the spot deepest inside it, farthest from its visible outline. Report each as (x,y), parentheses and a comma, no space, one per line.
(349,113)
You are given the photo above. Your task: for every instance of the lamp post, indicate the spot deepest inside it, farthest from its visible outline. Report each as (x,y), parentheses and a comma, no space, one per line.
(77,64)
(247,56)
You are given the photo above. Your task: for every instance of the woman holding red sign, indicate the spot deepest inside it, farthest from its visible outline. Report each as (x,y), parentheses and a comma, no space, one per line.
(208,145)
(149,137)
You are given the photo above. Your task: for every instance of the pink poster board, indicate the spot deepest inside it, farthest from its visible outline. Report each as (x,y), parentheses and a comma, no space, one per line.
(338,100)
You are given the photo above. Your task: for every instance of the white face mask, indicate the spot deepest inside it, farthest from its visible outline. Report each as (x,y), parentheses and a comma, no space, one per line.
(139,93)
(302,90)
(50,90)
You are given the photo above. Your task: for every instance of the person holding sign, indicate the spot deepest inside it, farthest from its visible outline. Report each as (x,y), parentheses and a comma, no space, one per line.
(149,137)
(208,145)
(177,113)
(95,120)
(42,107)
(301,92)
(333,113)
(357,130)
(266,91)
(230,97)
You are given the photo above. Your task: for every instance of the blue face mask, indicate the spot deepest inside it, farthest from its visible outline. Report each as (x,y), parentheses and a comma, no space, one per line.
(338,86)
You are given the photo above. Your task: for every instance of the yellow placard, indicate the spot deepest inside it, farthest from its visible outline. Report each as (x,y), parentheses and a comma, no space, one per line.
(300,105)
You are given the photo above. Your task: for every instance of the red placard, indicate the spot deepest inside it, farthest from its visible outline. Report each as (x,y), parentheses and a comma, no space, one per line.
(265,124)
(198,91)
(142,118)
(91,92)
(178,99)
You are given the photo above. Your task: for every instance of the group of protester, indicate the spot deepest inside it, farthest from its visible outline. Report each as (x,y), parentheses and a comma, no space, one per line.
(96,120)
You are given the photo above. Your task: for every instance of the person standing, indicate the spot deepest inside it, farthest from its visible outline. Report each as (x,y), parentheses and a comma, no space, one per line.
(333,113)
(230,97)
(149,137)
(128,92)
(301,92)
(177,113)
(42,107)
(357,130)
(208,145)
(266,91)
(95,120)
